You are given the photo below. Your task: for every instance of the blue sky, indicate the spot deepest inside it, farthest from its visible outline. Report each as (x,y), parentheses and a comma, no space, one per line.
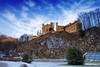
(18,17)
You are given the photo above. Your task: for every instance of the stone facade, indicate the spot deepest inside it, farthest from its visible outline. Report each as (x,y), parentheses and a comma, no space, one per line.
(55,45)
(72,27)
(45,28)
(59,28)
(33,37)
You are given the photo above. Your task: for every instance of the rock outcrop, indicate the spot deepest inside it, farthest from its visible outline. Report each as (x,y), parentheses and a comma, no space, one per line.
(54,45)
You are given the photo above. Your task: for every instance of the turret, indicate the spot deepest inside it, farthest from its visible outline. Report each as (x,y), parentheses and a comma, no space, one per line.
(56,26)
(43,29)
(42,25)
(52,24)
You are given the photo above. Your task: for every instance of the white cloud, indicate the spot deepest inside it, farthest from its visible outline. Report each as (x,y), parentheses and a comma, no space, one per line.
(24,15)
(9,16)
(31,25)
(71,14)
(30,3)
(50,7)
(24,8)
(69,17)
(20,27)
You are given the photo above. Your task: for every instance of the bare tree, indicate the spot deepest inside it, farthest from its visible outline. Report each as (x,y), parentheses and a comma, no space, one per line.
(90,19)
(24,38)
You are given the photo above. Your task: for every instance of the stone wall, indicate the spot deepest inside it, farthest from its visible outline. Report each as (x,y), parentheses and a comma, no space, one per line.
(55,45)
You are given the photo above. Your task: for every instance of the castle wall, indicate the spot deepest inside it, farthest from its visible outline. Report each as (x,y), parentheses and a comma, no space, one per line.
(72,27)
(45,28)
(59,28)
(33,37)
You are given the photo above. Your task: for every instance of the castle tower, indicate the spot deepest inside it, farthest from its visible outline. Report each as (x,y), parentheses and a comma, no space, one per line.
(43,28)
(56,26)
(59,28)
(51,24)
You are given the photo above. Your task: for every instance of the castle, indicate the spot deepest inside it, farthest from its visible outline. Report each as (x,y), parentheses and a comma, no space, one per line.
(46,28)
(70,28)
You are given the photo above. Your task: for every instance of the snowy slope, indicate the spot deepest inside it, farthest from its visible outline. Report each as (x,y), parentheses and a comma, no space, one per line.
(43,64)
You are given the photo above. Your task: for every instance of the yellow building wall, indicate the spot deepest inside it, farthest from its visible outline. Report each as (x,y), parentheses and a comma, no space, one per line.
(53,31)
(68,28)
(45,28)
(59,28)
(33,37)
(72,28)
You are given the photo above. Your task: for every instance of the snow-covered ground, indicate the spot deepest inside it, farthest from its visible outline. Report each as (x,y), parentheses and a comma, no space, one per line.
(13,64)
(41,64)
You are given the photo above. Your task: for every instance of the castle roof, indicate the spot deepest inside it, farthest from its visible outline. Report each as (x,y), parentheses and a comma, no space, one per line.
(61,26)
(71,24)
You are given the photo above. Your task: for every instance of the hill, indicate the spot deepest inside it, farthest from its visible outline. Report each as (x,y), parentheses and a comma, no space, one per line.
(8,45)
(4,38)
(54,45)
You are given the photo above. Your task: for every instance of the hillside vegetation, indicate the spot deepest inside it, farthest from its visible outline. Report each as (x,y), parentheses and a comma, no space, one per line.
(54,45)
(8,45)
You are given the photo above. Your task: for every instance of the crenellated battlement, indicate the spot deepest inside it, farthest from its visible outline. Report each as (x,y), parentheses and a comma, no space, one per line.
(72,27)
(46,28)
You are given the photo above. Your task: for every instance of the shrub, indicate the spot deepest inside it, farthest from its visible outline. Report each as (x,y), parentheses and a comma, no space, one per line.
(82,33)
(74,56)
(25,58)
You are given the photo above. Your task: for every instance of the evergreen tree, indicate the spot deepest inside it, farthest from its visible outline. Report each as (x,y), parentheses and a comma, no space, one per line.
(82,33)
(25,58)
(74,56)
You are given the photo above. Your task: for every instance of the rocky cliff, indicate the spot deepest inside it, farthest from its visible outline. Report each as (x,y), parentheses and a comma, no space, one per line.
(54,45)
